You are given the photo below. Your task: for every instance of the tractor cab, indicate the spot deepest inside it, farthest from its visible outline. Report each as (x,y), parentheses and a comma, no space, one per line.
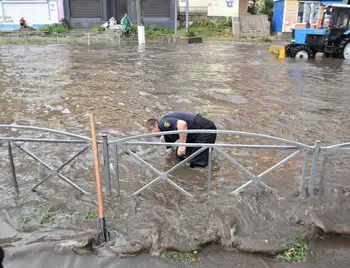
(336,21)
(332,39)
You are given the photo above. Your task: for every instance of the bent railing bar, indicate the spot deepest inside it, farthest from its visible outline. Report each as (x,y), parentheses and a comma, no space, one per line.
(339,149)
(71,183)
(46,130)
(235,162)
(41,182)
(242,187)
(220,145)
(210,160)
(342,160)
(146,186)
(13,169)
(73,158)
(237,133)
(282,162)
(42,140)
(165,175)
(185,160)
(324,164)
(34,157)
(315,156)
(179,188)
(143,162)
(336,146)
(52,170)
(303,173)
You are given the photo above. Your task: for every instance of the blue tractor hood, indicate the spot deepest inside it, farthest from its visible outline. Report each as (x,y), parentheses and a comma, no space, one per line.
(301,33)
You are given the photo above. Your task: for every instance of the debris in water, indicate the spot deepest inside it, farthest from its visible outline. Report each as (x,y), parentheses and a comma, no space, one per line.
(142,93)
(66,111)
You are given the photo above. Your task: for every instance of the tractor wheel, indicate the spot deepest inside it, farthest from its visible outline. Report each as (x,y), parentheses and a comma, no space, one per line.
(301,52)
(344,48)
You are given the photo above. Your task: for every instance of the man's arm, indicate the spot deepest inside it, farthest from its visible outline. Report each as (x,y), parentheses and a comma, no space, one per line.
(182,125)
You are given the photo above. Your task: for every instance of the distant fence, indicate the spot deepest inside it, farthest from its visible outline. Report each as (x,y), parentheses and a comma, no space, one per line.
(108,38)
(115,146)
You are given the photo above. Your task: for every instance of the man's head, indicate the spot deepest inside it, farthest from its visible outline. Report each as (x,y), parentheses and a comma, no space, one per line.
(152,125)
(125,15)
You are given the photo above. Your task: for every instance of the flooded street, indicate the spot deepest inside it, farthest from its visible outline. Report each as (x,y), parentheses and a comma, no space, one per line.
(237,85)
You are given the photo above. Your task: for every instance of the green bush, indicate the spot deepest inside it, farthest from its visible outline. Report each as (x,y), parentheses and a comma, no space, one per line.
(158,31)
(268,9)
(218,24)
(203,22)
(221,24)
(97,29)
(55,28)
(297,251)
(134,28)
(190,33)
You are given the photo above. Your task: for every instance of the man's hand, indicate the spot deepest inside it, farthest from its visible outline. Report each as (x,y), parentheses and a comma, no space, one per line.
(181,151)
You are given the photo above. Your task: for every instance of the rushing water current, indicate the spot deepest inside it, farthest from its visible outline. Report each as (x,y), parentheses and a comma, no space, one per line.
(237,85)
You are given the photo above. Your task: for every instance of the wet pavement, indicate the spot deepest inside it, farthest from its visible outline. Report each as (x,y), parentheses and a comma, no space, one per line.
(237,85)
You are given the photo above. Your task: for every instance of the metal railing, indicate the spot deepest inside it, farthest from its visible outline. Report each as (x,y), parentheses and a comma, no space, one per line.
(54,171)
(297,147)
(106,38)
(337,151)
(111,153)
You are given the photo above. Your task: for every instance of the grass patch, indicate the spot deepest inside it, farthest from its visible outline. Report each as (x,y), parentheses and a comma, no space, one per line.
(25,219)
(97,29)
(54,28)
(47,218)
(180,257)
(296,251)
(91,214)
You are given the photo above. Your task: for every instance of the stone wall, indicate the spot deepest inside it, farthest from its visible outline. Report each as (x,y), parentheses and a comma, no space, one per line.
(254,25)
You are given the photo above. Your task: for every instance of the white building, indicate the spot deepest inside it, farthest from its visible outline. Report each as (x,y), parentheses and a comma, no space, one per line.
(35,12)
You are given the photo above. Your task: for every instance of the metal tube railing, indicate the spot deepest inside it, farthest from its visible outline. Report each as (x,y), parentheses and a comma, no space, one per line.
(202,131)
(218,147)
(45,130)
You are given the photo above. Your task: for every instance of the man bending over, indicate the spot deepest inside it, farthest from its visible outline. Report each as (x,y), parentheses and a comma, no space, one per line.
(185,121)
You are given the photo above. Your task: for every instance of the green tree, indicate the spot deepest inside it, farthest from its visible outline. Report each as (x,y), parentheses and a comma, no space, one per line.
(267,8)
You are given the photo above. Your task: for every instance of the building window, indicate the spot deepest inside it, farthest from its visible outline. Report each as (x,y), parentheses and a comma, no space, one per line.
(308,12)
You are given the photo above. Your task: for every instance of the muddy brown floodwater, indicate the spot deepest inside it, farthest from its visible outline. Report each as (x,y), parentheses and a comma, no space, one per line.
(237,85)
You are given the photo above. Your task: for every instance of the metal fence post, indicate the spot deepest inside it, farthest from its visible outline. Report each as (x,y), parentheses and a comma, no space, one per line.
(303,173)
(210,158)
(106,171)
(116,161)
(13,170)
(316,152)
(324,164)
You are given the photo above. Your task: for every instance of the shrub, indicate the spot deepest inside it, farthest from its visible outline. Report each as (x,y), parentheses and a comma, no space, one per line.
(97,29)
(55,28)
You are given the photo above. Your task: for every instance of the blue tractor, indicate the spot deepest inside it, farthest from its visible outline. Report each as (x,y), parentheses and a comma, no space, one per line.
(332,39)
